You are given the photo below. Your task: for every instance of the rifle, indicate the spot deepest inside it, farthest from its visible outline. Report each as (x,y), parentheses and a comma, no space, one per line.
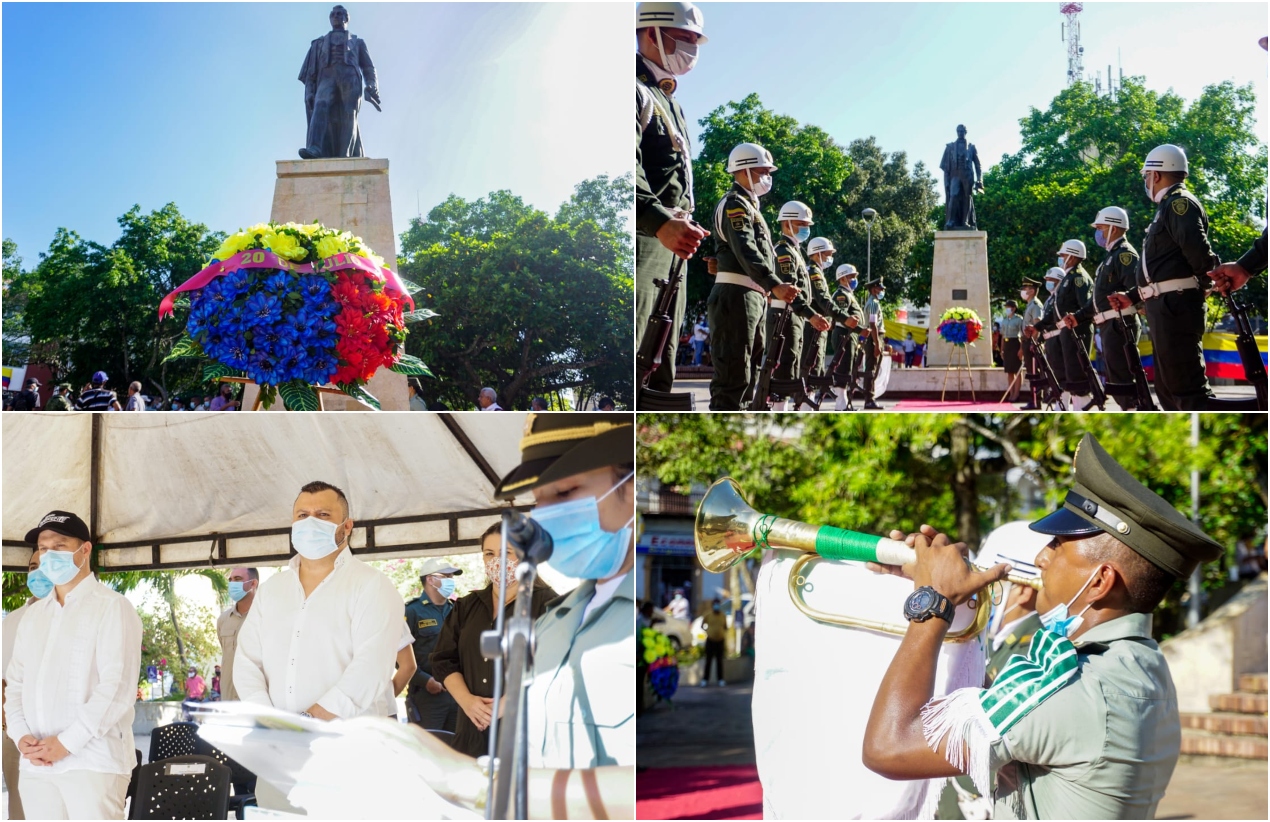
(1048,383)
(828,379)
(1140,389)
(653,346)
(1091,376)
(1249,354)
(771,358)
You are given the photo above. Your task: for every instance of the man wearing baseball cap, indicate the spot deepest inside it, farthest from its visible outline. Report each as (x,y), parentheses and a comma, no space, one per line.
(71,684)
(1086,725)
(98,397)
(433,706)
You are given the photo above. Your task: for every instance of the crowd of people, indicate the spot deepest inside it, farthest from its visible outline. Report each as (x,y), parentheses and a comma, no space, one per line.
(330,638)
(97,395)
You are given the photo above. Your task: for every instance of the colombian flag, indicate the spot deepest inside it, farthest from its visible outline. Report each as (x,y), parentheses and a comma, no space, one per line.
(1221,356)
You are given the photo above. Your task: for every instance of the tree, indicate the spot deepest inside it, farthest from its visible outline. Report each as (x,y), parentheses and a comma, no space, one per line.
(16,339)
(529,304)
(1085,152)
(873,474)
(162,646)
(837,182)
(163,584)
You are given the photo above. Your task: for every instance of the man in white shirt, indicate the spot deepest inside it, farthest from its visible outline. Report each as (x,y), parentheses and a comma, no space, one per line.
(488,400)
(321,640)
(39,587)
(72,682)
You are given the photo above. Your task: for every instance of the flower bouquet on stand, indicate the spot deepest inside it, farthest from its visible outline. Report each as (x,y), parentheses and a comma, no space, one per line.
(960,327)
(663,668)
(296,308)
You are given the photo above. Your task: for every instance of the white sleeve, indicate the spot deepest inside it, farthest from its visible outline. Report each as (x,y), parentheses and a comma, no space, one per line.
(250,682)
(376,633)
(118,662)
(14,676)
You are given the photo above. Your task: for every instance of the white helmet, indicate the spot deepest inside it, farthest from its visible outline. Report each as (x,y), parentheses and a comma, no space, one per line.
(1112,216)
(1016,544)
(1165,158)
(819,245)
(671,15)
(749,155)
(1073,247)
(1055,273)
(794,210)
(846,270)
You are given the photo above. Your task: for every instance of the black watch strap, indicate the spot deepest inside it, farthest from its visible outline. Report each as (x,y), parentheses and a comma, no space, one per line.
(926,602)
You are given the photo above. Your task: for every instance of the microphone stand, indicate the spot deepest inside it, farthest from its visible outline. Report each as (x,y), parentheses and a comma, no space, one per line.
(510,646)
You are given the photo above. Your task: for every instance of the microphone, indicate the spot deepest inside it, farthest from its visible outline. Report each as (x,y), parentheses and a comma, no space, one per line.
(532,542)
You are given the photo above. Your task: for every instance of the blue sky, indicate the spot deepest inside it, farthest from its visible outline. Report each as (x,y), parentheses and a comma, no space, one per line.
(107,105)
(908,73)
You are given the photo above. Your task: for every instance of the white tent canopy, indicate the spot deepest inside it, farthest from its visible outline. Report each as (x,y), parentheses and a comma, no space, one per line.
(185,490)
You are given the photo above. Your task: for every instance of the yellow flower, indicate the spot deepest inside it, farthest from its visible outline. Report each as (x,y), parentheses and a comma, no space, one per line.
(330,246)
(288,247)
(233,244)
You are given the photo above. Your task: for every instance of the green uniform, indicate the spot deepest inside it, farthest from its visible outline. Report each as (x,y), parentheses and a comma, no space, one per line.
(792,269)
(843,337)
(872,314)
(1050,338)
(1117,273)
(813,364)
(1072,293)
(581,714)
(1176,251)
(663,186)
(1011,342)
(743,246)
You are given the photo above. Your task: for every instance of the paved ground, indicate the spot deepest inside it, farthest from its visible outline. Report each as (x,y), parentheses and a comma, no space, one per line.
(701,394)
(711,726)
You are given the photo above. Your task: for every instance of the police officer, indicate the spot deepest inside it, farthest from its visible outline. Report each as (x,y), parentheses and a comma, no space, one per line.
(795,220)
(1172,279)
(1073,292)
(1011,326)
(1032,311)
(874,341)
(1116,273)
(820,253)
(845,333)
(1048,328)
(433,707)
(1086,725)
(747,273)
(668,34)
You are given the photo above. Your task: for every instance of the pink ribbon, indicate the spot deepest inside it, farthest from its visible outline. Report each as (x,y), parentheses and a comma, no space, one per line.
(267,259)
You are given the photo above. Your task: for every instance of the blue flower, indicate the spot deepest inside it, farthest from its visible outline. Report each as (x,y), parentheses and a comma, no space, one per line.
(235,282)
(262,367)
(315,289)
(263,309)
(276,281)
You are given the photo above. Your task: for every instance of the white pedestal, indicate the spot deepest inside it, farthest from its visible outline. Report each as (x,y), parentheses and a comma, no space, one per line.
(959,277)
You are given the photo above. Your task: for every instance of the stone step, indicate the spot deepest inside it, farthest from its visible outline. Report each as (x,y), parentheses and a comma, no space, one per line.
(1208,744)
(1238,703)
(1226,723)
(1252,683)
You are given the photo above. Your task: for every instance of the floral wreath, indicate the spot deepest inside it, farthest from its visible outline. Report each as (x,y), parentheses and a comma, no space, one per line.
(960,326)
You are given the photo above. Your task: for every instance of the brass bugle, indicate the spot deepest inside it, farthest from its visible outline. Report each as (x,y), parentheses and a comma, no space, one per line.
(727,528)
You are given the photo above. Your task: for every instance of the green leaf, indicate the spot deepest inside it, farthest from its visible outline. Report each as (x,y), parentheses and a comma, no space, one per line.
(216,370)
(419,314)
(184,347)
(299,396)
(360,394)
(411,288)
(412,366)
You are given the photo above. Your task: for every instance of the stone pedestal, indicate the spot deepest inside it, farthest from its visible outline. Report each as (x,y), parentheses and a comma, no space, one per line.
(959,277)
(351,194)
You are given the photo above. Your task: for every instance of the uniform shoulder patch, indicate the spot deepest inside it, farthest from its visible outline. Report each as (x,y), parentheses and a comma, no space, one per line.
(737,217)
(786,263)
(1180,206)
(1125,258)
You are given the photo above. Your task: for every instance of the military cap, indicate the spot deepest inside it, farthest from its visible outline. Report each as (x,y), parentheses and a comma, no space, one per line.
(559,445)
(1104,497)
(872,283)
(1029,282)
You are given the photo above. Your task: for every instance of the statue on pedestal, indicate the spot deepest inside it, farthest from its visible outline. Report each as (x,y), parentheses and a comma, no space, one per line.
(335,73)
(963,178)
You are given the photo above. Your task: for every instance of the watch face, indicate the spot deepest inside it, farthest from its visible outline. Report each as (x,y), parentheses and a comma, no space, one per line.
(921,601)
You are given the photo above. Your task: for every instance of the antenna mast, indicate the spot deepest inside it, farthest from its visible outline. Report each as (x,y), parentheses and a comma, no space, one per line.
(1071,34)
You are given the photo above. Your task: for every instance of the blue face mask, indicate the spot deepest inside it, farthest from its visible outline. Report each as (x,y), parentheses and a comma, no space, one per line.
(59,566)
(803,234)
(851,283)
(314,538)
(1100,238)
(236,590)
(38,584)
(1056,619)
(446,587)
(581,548)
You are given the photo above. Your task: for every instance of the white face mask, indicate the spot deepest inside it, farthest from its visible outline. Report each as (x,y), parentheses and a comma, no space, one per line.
(314,538)
(1050,285)
(1062,262)
(828,262)
(1009,312)
(682,61)
(760,186)
(1023,295)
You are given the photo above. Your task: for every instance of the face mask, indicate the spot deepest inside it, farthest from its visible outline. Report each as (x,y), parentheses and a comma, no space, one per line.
(1050,285)
(760,186)
(582,548)
(494,574)
(59,566)
(1146,184)
(851,283)
(803,234)
(1062,262)
(314,538)
(1023,295)
(38,584)
(237,591)
(682,61)
(881,293)
(1009,312)
(1056,619)
(828,261)
(446,588)
(1100,238)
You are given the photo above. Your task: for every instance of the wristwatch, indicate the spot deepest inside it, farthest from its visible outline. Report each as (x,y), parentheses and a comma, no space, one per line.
(925,603)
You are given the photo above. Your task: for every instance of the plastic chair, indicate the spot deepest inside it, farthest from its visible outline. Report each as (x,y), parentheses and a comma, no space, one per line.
(182,787)
(242,780)
(132,780)
(176,739)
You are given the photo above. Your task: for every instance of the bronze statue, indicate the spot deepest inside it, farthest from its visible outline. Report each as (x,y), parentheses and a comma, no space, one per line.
(963,178)
(335,71)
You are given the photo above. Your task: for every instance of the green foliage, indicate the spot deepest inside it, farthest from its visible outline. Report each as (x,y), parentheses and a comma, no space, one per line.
(16,343)
(412,366)
(404,573)
(1084,152)
(874,474)
(529,303)
(199,646)
(837,182)
(360,394)
(299,396)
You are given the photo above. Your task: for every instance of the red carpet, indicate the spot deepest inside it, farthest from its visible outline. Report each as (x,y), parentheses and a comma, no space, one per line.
(723,792)
(936,405)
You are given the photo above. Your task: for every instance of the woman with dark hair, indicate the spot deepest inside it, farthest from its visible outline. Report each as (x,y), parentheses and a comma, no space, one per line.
(457,662)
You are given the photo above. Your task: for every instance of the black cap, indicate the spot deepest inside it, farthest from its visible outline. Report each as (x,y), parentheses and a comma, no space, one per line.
(1028,282)
(32,381)
(872,283)
(63,522)
(1105,498)
(555,446)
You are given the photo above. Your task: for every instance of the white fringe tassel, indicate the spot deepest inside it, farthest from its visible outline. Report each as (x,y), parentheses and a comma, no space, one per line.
(959,717)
